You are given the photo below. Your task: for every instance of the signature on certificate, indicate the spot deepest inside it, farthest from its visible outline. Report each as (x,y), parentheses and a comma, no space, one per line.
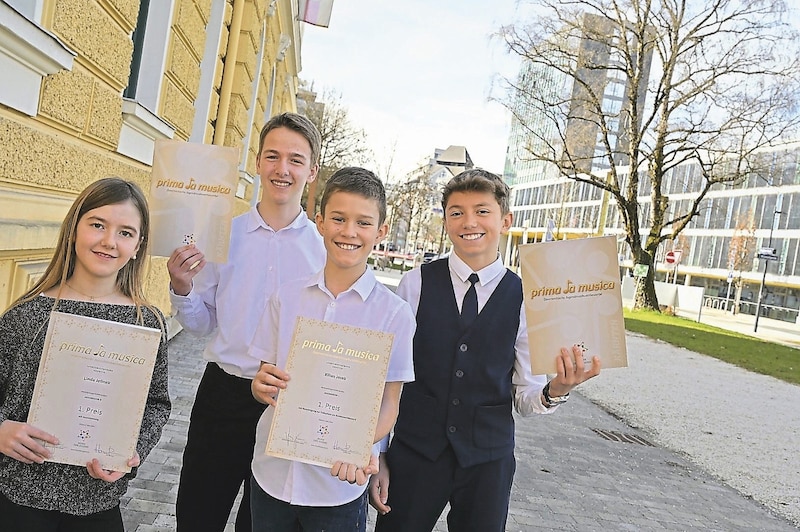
(344,448)
(293,439)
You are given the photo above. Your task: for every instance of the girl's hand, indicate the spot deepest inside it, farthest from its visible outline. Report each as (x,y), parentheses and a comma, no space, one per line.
(97,471)
(20,441)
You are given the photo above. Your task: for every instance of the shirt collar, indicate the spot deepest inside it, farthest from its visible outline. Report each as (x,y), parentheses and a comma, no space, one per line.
(462,271)
(363,286)
(255,221)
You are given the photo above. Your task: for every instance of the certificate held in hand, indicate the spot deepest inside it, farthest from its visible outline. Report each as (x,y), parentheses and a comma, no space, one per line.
(91,388)
(329,410)
(572,297)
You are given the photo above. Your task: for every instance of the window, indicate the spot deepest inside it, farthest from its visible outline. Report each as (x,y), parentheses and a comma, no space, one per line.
(141,126)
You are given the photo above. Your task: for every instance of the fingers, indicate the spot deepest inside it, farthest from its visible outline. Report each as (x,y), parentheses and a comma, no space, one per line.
(267,382)
(379,490)
(135,461)
(184,263)
(349,473)
(96,471)
(22,442)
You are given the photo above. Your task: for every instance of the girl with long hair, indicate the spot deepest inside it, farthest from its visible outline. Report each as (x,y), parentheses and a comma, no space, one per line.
(96,271)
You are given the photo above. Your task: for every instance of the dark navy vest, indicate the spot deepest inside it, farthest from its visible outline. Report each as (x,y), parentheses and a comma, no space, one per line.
(462,395)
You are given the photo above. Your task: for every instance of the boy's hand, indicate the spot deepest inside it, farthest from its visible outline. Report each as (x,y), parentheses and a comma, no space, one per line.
(571,371)
(379,488)
(352,473)
(267,382)
(184,263)
(97,471)
(20,441)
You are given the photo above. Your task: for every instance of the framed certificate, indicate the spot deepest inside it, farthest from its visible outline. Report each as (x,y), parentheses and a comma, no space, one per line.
(91,388)
(329,410)
(572,297)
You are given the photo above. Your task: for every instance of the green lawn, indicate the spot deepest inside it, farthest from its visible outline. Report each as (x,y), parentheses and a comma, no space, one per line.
(750,353)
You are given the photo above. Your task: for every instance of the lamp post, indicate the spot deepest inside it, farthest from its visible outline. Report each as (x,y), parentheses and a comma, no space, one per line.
(767,254)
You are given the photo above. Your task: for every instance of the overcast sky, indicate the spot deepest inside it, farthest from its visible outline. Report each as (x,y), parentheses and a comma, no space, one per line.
(417,73)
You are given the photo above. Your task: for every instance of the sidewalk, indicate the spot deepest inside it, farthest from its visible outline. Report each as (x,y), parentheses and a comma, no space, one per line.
(583,468)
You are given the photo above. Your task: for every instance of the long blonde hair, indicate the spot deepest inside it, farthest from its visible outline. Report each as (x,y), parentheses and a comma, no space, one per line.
(106,191)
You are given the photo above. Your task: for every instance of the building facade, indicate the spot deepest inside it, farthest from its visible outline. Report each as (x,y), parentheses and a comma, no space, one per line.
(89,85)
(719,250)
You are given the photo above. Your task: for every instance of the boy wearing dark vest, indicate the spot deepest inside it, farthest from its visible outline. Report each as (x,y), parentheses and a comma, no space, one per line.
(454,437)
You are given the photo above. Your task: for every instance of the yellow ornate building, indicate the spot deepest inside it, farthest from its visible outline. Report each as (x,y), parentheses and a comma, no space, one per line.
(89,85)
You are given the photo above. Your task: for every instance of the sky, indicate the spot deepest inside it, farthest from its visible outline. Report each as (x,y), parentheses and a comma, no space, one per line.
(416,75)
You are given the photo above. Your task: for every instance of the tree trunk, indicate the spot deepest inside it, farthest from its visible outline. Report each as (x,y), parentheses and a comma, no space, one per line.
(645,296)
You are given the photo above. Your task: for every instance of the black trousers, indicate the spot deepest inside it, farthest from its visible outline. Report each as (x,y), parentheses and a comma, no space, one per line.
(420,489)
(17,517)
(218,454)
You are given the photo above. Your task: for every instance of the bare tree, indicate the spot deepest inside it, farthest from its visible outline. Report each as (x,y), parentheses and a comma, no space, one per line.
(724,85)
(343,144)
(740,253)
(411,202)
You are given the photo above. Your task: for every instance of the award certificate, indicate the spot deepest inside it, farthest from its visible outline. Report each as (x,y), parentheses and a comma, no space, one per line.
(572,297)
(91,388)
(329,410)
(192,197)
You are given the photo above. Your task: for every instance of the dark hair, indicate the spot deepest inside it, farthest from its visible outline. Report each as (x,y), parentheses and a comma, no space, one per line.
(106,191)
(298,123)
(479,180)
(358,181)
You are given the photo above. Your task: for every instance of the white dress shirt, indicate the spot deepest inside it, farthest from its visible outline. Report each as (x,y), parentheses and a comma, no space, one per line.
(527,387)
(231,297)
(366,304)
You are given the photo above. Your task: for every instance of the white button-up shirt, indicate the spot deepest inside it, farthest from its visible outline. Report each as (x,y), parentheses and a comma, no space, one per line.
(366,304)
(231,297)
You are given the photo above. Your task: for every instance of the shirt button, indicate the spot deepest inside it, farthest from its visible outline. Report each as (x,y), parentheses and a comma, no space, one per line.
(451,428)
(463,348)
(459,373)
(456,402)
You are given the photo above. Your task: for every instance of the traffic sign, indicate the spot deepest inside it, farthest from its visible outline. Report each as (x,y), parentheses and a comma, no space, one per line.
(673,257)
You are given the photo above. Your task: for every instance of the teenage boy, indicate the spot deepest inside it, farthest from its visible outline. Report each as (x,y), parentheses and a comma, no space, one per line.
(288,496)
(454,438)
(271,244)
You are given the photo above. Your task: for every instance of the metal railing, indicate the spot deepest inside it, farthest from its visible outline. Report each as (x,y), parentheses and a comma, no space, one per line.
(774,312)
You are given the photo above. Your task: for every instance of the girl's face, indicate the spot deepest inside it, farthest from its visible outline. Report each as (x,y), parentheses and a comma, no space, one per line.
(106,238)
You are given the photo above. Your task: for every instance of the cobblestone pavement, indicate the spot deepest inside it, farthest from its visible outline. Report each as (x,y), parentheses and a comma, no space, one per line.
(580,469)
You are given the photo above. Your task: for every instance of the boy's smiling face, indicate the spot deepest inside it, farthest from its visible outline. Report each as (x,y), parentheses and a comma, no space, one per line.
(284,166)
(474,222)
(350,228)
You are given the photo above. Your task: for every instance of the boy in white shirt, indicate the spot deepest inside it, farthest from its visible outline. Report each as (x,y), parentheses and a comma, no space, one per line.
(271,244)
(287,495)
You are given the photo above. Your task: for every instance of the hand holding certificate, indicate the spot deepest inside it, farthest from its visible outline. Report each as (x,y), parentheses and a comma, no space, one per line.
(91,388)
(329,410)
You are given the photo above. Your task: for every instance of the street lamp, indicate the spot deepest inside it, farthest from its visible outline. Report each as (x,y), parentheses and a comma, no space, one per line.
(767,254)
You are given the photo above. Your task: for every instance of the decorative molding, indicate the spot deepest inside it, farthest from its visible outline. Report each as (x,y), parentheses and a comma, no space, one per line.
(140,129)
(28,53)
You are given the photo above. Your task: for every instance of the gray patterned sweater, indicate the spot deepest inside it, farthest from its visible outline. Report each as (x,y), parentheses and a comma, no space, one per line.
(51,486)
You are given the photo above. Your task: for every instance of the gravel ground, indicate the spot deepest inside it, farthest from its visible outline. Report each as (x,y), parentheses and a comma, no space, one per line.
(741,427)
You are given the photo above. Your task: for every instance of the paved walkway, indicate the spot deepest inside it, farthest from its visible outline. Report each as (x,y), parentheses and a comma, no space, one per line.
(581,469)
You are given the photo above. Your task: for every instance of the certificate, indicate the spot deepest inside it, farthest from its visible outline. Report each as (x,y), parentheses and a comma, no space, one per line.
(91,388)
(329,410)
(192,197)
(572,297)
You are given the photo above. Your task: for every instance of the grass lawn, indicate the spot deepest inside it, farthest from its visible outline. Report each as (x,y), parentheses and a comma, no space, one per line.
(750,353)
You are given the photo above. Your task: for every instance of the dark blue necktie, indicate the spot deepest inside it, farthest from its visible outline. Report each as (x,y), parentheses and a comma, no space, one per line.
(469,307)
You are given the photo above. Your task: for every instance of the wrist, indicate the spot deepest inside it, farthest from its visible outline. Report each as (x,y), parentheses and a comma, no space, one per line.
(550,399)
